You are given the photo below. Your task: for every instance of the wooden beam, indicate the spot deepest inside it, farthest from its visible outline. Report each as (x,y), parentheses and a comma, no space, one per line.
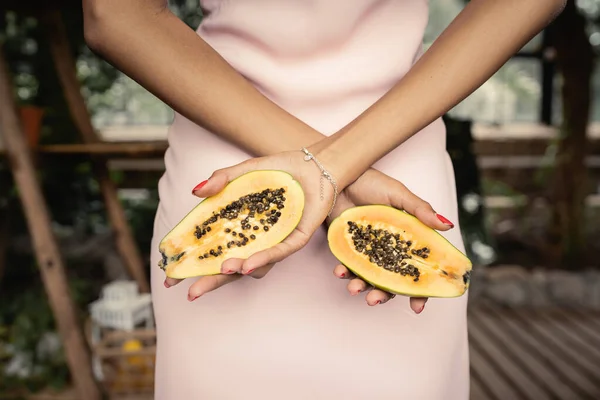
(157,148)
(107,150)
(49,260)
(522,147)
(65,66)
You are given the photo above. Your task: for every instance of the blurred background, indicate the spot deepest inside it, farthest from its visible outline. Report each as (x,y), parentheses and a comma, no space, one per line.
(81,149)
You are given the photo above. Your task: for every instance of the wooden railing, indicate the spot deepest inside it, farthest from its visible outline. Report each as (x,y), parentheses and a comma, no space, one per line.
(514,162)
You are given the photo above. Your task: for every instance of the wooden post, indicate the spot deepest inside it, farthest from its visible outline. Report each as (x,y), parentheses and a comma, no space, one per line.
(46,248)
(4,237)
(65,66)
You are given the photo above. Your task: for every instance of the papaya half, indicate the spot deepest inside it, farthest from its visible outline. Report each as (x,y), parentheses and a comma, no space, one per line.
(394,251)
(252,213)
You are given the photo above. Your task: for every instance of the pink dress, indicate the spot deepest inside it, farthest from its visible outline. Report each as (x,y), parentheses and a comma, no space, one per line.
(297,334)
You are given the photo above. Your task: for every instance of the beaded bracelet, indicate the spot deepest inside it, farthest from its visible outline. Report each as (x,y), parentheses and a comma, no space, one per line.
(324,174)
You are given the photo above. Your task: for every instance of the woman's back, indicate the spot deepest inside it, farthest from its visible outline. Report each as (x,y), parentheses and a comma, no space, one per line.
(297,334)
(303,53)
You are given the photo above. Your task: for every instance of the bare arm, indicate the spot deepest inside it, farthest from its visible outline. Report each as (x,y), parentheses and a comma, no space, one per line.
(153,46)
(473,47)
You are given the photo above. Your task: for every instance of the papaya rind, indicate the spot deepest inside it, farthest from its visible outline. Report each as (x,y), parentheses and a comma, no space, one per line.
(356,270)
(214,267)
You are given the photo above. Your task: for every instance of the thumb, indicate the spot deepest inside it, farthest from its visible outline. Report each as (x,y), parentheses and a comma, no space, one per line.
(402,198)
(220,178)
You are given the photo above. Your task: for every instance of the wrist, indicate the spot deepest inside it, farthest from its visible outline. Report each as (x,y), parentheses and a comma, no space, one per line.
(320,145)
(335,164)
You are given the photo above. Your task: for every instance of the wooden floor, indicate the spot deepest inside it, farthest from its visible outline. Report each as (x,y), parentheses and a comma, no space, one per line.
(537,354)
(520,354)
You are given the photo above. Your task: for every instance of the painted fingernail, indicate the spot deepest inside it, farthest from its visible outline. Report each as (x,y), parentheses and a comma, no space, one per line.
(166,285)
(250,271)
(420,310)
(192,298)
(199,186)
(343,275)
(377,302)
(228,271)
(445,220)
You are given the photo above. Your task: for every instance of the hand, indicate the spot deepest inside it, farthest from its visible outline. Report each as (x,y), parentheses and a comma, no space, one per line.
(260,263)
(374,187)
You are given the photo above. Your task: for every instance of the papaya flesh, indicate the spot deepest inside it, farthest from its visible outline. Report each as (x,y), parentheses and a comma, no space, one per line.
(394,251)
(252,213)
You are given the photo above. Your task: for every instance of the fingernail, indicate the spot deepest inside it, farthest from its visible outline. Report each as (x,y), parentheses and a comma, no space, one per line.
(445,220)
(249,272)
(191,298)
(166,285)
(356,292)
(343,275)
(421,309)
(228,271)
(199,186)
(377,302)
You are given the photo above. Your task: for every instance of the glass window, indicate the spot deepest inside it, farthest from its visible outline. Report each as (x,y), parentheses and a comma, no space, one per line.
(126,103)
(512,95)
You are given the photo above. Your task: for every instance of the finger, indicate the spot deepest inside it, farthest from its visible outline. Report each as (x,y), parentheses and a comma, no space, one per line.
(343,273)
(221,177)
(260,273)
(376,297)
(232,266)
(171,282)
(402,198)
(417,304)
(356,286)
(294,242)
(209,283)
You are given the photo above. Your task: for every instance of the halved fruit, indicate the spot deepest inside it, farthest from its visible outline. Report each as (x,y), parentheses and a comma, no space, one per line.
(394,251)
(253,212)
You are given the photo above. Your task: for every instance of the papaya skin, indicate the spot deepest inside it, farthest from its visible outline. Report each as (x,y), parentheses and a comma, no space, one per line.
(183,253)
(443,273)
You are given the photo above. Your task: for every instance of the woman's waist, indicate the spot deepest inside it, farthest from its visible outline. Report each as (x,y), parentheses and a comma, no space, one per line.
(288,73)
(188,138)
(195,153)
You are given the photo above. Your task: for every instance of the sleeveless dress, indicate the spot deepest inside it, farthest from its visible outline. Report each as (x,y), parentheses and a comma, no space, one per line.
(297,333)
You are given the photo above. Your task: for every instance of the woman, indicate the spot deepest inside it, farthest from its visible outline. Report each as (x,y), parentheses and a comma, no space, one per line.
(254,84)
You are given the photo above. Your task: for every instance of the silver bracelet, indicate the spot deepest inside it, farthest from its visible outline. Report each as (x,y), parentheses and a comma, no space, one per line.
(324,174)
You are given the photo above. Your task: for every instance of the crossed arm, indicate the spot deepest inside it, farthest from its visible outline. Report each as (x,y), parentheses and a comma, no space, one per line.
(147,42)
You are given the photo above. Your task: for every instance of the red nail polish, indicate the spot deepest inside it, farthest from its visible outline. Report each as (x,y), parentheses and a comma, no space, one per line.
(190,298)
(199,186)
(377,302)
(166,285)
(445,220)
(249,272)
(421,309)
(343,275)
